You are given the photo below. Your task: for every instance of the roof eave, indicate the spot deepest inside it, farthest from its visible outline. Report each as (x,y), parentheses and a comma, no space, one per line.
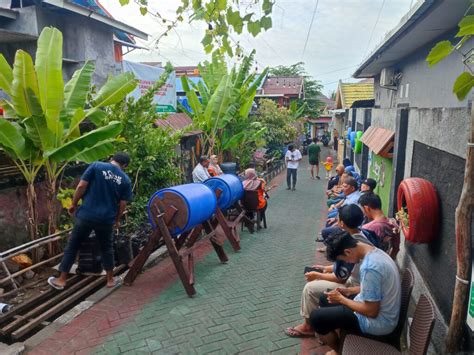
(98,17)
(410,19)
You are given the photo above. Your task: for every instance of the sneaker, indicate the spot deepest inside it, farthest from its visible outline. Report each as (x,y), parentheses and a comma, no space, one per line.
(293,189)
(317,177)
(288,188)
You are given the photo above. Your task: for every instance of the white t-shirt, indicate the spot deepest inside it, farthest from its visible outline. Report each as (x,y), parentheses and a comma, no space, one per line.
(293,155)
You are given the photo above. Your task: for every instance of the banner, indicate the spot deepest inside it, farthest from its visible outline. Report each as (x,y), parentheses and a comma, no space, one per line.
(165,98)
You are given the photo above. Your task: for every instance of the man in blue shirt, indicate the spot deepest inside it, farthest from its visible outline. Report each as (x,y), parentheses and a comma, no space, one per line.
(105,190)
(376,306)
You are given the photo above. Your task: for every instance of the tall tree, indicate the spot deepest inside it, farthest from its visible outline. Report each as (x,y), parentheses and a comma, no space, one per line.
(312,87)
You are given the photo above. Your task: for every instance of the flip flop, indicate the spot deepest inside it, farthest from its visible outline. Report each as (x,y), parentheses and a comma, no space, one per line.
(295,333)
(53,284)
(117,282)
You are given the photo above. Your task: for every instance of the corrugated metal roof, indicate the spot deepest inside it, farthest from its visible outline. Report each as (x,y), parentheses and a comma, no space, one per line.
(379,140)
(283,85)
(177,121)
(347,93)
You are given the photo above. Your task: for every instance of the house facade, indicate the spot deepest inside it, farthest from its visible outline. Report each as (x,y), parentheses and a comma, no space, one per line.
(282,89)
(418,128)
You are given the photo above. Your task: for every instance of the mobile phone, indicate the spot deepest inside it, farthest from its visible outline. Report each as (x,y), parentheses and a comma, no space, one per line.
(310,268)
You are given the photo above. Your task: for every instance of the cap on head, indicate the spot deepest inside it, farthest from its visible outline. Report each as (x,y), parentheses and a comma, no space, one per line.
(371,183)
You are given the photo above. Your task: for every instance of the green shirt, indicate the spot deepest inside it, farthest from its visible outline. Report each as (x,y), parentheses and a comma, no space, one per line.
(313,151)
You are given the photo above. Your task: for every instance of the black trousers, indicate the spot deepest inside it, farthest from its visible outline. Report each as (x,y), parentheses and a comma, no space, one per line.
(82,229)
(329,317)
(291,173)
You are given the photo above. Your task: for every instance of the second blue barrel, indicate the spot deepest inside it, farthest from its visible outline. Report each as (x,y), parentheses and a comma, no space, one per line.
(231,189)
(195,204)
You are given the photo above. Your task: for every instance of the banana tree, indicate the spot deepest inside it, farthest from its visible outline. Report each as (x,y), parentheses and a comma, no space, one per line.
(226,100)
(41,127)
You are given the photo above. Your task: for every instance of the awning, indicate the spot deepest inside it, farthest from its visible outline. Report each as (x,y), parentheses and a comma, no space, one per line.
(379,140)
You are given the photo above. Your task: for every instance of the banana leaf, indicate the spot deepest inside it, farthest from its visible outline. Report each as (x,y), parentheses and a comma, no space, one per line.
(48,65)
(97,152)
(115,90)
(24,89)
(12,139)
(37,130)
(76,90)
(79,145)
(191,96)
(6,75)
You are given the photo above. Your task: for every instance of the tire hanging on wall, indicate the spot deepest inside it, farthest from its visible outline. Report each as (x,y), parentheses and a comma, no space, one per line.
(420,200)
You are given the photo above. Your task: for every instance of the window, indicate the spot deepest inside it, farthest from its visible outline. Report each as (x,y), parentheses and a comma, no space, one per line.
(407,88)
(401,91)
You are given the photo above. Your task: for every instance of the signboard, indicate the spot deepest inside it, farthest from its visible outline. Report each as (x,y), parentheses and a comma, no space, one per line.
(165,98)
(470,310)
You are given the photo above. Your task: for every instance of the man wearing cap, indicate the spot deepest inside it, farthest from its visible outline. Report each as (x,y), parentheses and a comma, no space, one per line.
(368,185)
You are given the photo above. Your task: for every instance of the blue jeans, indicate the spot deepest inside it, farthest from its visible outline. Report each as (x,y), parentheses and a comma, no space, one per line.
(82,229)
(289,174)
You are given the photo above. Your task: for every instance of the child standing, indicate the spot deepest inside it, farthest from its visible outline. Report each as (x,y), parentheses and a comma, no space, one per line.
(328,166)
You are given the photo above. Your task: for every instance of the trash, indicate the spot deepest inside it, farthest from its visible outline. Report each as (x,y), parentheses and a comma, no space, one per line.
(29,274)
(4,308)
(23,260)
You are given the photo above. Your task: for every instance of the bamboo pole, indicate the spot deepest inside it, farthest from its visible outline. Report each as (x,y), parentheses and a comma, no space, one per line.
(463,250)
(22,271)
(24,250)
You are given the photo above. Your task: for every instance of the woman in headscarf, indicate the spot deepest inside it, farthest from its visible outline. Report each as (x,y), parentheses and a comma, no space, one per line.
(214,169)
(253,183)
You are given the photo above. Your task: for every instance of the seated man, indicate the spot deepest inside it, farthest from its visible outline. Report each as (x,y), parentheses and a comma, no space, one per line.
(351,196)
(375,309)
(332,276)
(336,180)
(335,194)
(368,185)
(200,173)
(385,229)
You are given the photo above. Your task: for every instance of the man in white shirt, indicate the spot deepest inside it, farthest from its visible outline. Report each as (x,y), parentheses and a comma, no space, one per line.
(200,172)
(292,158)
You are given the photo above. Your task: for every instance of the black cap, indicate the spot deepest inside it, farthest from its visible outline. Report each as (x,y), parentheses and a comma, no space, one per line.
(371,183)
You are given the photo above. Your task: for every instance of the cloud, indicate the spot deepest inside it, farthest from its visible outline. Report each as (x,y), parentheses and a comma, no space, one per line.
(338,41)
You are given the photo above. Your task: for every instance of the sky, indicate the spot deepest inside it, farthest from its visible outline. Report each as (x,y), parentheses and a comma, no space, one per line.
(344,32)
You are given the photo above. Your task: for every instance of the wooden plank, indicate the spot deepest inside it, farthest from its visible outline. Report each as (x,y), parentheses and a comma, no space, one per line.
(230,233)
(60,295)
(51,312)
(34,301)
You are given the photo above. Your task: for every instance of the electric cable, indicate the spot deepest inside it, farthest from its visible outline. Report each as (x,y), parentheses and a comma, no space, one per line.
(309,30)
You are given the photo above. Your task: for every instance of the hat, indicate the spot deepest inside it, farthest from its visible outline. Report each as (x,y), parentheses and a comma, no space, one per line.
(371,183)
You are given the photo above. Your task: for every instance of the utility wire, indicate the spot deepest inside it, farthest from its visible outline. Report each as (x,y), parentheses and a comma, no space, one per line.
(309,29)
(373,29)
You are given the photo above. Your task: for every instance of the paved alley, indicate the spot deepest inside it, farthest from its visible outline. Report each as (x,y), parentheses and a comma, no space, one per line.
(240,307)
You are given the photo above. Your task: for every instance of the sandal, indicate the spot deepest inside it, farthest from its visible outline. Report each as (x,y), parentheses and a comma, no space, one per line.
(295,333)
(51,282)
(117,282)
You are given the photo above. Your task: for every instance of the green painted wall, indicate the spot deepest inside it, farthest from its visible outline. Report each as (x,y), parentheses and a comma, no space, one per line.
(381,171)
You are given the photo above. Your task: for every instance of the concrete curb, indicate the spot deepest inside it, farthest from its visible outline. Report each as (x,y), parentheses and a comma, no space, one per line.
(48,331)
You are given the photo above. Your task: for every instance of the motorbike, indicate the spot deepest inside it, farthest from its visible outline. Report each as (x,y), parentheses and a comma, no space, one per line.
(325,140)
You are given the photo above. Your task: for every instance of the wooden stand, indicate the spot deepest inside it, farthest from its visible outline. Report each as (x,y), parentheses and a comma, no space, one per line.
(178,248)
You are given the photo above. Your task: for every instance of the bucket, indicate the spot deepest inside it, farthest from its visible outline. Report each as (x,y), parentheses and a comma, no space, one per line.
(196,203)
(231,189)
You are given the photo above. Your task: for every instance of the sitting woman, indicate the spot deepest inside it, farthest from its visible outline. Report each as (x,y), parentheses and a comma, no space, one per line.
(214,169)
(253,183)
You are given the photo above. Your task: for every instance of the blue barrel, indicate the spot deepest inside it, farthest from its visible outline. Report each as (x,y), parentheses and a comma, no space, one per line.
(231,189)
(196,203)
(349,131)
(229,168)
(353,139)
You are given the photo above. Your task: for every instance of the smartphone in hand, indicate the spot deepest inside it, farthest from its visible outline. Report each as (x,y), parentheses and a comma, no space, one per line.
(310,268)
